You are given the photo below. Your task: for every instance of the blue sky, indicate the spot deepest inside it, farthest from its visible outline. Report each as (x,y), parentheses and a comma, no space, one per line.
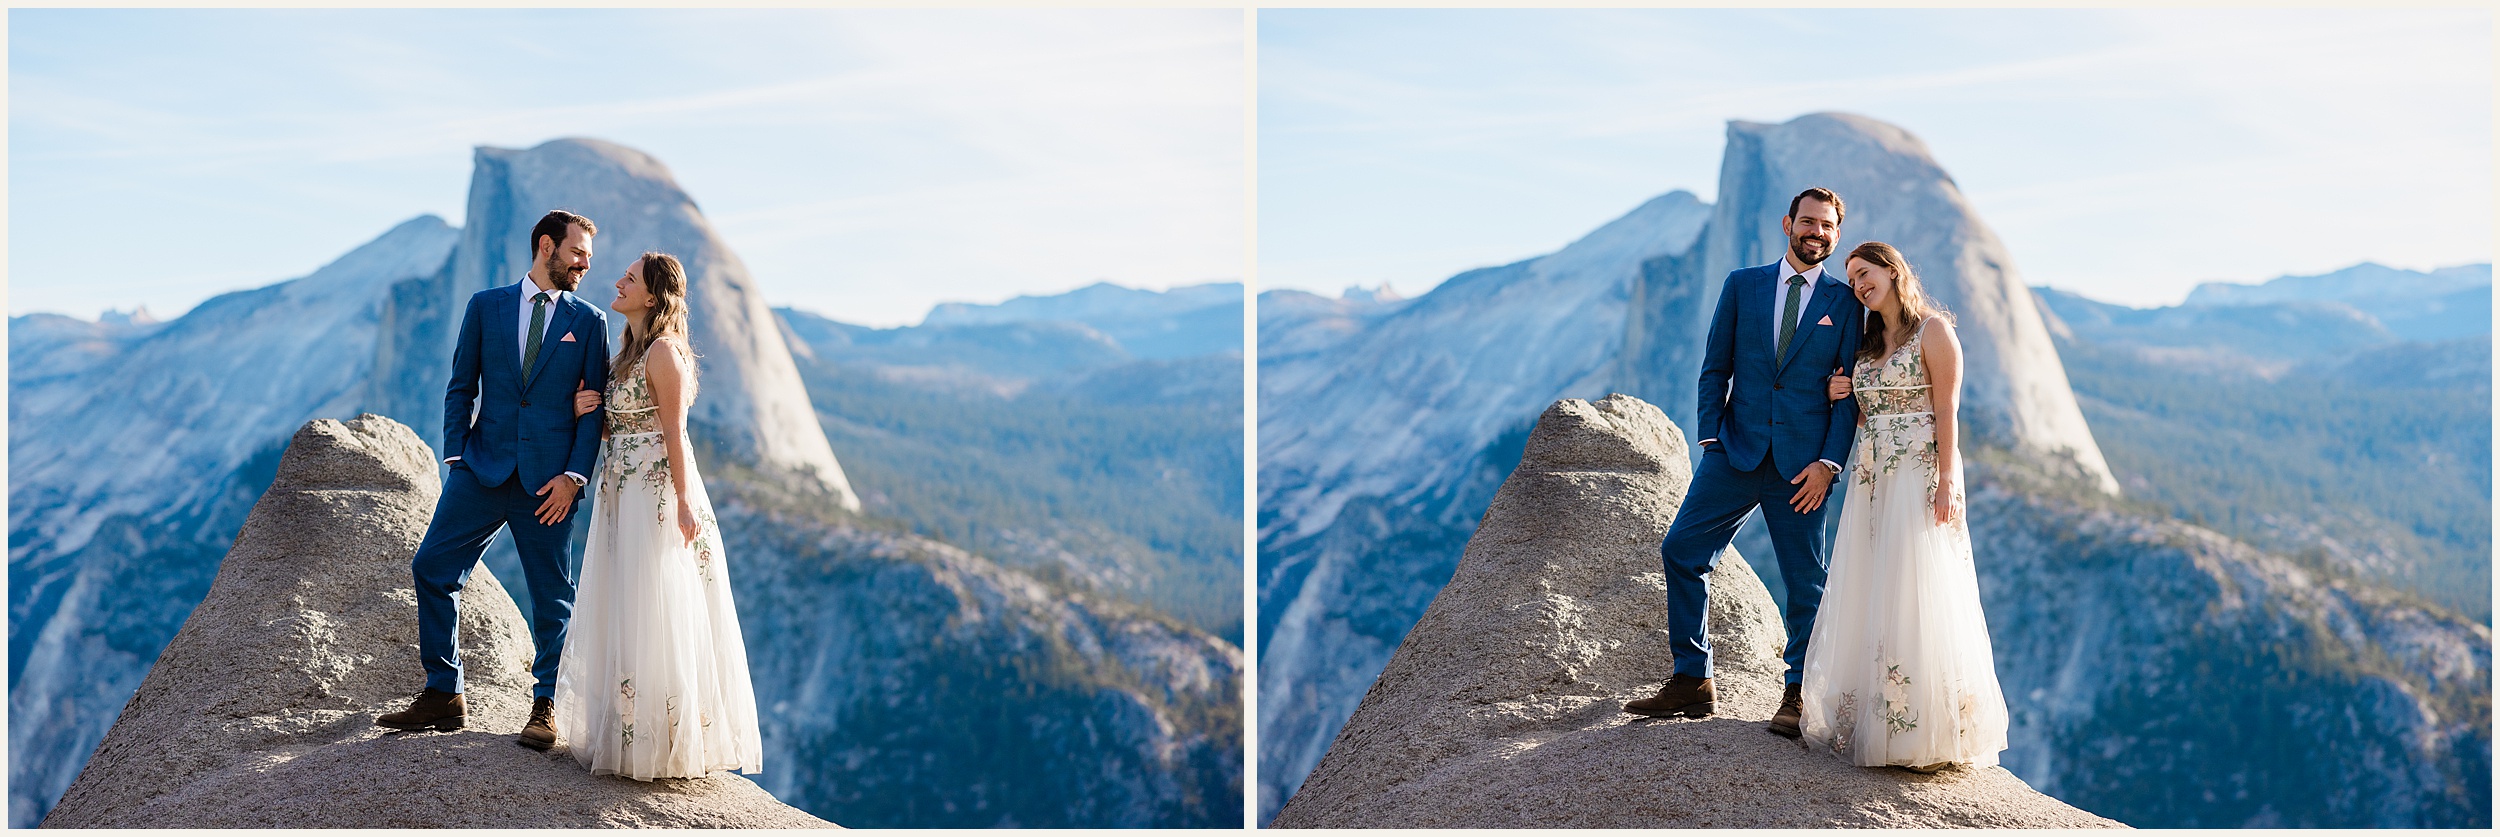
(2123,154)
(865,164)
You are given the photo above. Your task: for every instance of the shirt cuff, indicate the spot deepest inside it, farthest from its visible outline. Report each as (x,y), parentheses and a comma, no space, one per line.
(1835,465)
(450,459)
(1704,442)
(579,481)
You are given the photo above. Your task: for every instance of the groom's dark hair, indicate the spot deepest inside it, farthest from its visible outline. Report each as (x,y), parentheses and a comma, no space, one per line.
(552,226)
(1839,212)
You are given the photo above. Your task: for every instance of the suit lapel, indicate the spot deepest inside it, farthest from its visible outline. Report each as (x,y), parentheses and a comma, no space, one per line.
(1762,291)
(1826,292)
(559,323)
(507,308)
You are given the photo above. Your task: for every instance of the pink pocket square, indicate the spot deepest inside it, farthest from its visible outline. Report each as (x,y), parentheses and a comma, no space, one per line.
(568,336)
(1827,320)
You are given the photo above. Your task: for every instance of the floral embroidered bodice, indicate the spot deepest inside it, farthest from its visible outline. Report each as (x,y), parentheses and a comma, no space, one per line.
(630,407)
(635,449)
(1899,420)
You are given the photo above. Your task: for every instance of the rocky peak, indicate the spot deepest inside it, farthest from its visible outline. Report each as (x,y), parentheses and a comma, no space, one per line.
(260,712)
(1502,707)
(2015,392)
(753,407)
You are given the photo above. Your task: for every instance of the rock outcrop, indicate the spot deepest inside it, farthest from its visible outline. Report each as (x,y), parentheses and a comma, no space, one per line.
(260,712)
(1502,708)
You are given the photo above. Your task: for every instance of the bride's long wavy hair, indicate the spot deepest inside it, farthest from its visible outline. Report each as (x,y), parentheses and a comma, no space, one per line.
(665,279)
(1916,305)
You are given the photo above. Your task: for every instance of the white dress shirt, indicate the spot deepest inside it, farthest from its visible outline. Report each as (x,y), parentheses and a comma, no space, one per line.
(1779,298)
(521,330)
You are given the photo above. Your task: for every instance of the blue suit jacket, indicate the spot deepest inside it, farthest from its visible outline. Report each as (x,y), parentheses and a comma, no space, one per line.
(524,423)
(1758,405)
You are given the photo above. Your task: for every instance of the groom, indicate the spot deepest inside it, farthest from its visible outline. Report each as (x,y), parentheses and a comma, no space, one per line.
(1771,440)
(517,455)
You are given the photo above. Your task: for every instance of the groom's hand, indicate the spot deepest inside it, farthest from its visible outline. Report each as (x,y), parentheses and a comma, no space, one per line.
(559,503)
(1815,481)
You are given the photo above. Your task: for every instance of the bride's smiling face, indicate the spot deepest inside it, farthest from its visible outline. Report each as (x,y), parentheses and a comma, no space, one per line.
(631,296)
(1872,283)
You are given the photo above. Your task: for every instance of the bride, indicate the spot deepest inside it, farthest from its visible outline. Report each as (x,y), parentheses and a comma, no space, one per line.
(1900,671)
(653,681)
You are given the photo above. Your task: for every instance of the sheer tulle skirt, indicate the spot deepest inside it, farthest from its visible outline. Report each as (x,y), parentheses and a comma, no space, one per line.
(1900,671)
(654,679)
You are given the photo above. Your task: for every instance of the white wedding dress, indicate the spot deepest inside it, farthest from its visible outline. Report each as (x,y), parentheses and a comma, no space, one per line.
(1900,671)
(653,681)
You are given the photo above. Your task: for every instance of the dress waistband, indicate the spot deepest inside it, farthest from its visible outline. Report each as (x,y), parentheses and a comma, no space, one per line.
(1898,415)
(633,409)
(1881,389)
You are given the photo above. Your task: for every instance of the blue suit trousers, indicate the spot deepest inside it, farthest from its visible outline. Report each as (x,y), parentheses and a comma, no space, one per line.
(465,522)
(1714,506)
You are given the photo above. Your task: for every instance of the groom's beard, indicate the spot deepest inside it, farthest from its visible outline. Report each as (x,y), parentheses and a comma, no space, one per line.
(1810,250)
(565,278)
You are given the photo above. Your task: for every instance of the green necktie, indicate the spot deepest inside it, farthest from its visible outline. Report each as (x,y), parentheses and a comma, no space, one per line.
(538,323)
(1789,315)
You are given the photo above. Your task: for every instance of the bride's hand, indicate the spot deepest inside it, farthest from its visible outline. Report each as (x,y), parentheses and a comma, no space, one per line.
(1840,385)
(1946,499)
(687,524)
(584,402)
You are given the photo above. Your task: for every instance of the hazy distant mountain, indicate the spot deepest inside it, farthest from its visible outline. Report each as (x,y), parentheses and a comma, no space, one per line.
(1185,321)
(2442,304)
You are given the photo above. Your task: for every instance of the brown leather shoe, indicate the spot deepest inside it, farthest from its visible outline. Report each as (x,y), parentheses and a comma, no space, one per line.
(1682,697)
(540,733)
(431,710)
(1792,707)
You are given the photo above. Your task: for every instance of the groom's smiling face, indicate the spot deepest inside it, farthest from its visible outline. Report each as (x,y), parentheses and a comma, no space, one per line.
(565,263)
(1812,231)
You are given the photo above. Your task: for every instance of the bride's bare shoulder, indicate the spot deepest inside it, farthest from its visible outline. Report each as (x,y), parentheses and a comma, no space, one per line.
(1936,337)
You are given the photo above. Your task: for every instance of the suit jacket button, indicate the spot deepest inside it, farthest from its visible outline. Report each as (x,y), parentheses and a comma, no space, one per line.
(525,402)
(1779,386)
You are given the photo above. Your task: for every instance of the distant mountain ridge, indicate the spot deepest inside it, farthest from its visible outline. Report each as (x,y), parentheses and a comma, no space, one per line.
(1159,325)
(2298,316)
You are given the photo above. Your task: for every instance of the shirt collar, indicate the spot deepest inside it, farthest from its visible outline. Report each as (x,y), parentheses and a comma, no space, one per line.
(530,287)
(1812,274)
